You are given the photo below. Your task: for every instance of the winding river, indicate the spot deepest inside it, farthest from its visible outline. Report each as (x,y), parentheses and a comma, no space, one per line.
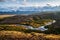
(41,28)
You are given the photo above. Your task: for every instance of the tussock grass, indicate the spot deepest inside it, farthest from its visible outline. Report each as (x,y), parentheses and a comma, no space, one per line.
(15,35)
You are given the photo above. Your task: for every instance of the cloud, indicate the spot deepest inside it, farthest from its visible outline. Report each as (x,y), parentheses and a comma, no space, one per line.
(1,0)
(35,3)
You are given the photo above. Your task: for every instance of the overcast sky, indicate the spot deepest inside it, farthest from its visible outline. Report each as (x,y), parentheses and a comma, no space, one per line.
(30,2)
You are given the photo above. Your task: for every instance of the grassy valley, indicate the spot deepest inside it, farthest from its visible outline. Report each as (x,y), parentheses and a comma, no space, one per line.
(13,27)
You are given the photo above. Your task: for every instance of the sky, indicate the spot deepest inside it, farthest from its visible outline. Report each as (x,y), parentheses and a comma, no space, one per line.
(25,3)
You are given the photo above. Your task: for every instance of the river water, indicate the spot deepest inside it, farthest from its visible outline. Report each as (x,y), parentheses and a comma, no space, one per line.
(41,28)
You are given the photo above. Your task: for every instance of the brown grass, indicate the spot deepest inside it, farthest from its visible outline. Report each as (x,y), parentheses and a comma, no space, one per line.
(3,16)
(15,35)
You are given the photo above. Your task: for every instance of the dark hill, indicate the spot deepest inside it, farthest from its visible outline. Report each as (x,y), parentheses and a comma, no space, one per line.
(21,19)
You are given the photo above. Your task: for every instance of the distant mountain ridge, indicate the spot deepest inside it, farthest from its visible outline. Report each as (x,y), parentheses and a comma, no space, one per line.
(23,10)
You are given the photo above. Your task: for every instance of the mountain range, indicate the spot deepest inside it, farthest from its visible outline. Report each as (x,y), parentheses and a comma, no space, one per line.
(28,10)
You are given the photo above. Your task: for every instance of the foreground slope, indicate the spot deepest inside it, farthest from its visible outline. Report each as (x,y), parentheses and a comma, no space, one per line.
(14,35)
